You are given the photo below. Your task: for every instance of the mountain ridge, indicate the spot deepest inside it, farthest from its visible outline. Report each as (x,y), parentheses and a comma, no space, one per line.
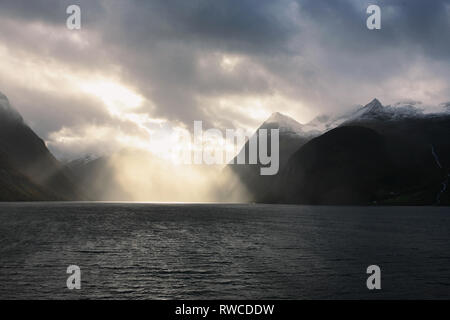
(410,173)
(26,153)
(373,155)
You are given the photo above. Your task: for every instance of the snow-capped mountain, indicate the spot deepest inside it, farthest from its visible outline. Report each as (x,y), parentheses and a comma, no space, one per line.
(394,154)
(293,135)
(375,111)
(287,125)
(290,127)
(326,122)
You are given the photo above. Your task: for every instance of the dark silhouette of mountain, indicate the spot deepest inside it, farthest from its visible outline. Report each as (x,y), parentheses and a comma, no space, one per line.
(374,155)
(14,186)
(420,149)
(27,165)
(292,135)
(347,165)
(378,155)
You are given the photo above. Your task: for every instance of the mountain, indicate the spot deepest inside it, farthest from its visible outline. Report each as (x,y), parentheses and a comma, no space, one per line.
(14,186)
(378,154)
(347,165)
(287,125)
(374,110)
(292,135)
(391,155)
(27,165)
(419,146)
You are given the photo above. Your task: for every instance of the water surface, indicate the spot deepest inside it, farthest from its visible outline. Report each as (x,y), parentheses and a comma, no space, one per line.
(157,251)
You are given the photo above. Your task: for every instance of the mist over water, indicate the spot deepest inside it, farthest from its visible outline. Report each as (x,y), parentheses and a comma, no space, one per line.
(143,177)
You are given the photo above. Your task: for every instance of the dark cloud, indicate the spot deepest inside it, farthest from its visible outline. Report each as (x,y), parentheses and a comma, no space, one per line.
(51,11)
(250,25)
(406,25)
(318,53)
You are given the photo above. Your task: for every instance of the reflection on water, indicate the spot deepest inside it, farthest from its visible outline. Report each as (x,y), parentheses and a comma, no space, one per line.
(150,251)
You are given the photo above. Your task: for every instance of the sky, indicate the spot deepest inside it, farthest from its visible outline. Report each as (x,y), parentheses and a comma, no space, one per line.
(138,73)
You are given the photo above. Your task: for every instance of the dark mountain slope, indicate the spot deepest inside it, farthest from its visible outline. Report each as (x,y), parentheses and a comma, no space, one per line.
(28,154)
(292,137)
(384,155)
(14,186)
(347,165)
(420,148)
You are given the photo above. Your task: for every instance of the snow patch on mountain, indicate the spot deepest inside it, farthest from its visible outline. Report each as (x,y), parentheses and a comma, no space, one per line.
(325,123)
(284,123)
(81,161)
(375,111)
(287,125)
(445,107)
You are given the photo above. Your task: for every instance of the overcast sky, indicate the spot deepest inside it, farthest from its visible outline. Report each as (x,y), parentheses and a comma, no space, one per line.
(136,66)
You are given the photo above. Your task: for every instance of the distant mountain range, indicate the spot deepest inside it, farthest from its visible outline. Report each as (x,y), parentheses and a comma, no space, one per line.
(373,154)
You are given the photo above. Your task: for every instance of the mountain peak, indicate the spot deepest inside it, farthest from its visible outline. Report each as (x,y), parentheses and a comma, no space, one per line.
(283,122)
(277,116)
(374,107)
(7,110)
(374,104)
(3,99)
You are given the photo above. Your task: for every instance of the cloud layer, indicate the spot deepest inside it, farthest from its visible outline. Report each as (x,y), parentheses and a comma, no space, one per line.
(136,66)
